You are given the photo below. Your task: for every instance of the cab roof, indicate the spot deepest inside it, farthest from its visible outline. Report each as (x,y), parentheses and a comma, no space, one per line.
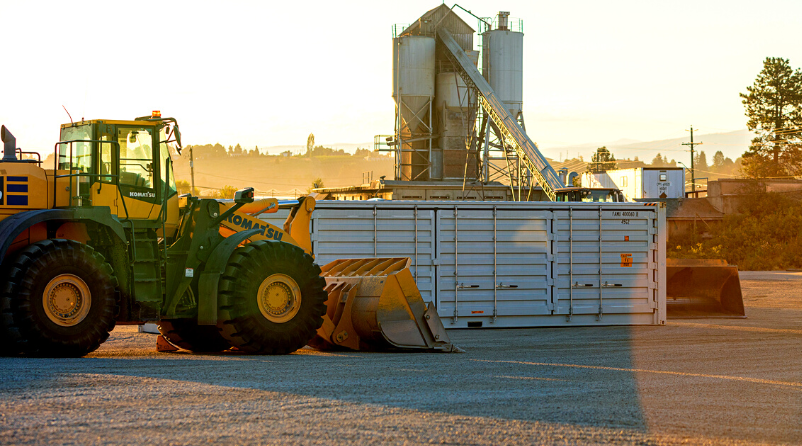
(142,123)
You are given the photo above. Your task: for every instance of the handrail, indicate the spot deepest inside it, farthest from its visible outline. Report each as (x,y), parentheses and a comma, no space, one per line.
(57,157)
(38,155)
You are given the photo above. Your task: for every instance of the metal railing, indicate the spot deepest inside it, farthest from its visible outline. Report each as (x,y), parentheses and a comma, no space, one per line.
(513,24)
(79,174)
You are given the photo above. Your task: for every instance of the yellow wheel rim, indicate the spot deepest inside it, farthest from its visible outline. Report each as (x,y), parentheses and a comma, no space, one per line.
(279,298)
(66,300)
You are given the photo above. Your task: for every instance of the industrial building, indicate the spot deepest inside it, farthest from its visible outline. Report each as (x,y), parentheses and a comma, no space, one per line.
(459,123)
(640,183)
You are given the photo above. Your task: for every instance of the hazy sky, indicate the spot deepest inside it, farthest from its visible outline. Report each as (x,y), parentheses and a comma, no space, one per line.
(269,73)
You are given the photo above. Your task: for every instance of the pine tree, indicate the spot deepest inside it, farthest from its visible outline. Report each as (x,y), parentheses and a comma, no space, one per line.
(774,108)
(657,161)
(602,161)
(700,162)
(718,161)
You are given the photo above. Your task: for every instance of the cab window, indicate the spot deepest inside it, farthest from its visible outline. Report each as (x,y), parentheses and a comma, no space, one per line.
(81,151)
(164,154)
(106,160)
(136,157)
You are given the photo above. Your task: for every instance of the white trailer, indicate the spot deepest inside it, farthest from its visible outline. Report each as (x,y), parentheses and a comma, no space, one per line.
(641,182)
(511,264)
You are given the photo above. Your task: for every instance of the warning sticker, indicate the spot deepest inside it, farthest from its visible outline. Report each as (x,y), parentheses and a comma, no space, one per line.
(626,260)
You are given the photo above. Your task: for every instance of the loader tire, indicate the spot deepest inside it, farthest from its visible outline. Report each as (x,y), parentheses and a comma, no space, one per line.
(272,298)
(8,347)
(187,334)
(60,298)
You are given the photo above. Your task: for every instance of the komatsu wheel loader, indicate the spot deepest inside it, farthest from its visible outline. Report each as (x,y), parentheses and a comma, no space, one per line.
(104,238)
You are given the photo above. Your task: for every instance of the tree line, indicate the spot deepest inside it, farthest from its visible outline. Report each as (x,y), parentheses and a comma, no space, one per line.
(217,150)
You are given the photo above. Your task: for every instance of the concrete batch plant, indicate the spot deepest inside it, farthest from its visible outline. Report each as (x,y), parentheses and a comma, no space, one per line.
(445,144)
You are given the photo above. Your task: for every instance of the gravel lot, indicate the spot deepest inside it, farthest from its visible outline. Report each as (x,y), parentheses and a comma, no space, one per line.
(693,381)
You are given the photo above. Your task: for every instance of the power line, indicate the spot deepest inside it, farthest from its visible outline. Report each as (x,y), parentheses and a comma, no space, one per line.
(693,182)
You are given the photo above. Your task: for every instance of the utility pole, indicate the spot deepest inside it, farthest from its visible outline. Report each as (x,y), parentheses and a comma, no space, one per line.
(191,171)
(693,177)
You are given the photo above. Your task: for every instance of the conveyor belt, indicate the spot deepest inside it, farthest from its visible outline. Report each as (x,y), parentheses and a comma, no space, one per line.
(512,133)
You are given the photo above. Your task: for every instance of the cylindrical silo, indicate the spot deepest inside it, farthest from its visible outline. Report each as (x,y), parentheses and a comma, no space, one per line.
(413,90)
(454,103)
(502,66)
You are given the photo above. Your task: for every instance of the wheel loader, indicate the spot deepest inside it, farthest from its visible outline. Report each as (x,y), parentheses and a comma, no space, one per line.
(102,237)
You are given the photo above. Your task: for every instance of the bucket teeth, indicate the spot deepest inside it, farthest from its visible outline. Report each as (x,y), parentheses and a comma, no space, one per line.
(374,304)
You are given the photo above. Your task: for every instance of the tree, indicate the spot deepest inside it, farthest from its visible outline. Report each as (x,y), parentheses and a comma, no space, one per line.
(310,144)
(718,161)
(658,161)
(316,183)
(700,162)
(238,150)
(602,161)
(183,188)
(226,192)
(774,107)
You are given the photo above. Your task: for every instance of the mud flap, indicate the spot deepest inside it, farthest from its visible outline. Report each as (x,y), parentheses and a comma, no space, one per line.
(374,304)
(703,288)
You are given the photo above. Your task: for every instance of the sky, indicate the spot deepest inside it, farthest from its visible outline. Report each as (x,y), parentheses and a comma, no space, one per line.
(267,73)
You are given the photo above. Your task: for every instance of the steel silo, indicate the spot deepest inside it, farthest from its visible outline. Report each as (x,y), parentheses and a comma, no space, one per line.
(502,62)
(413,91)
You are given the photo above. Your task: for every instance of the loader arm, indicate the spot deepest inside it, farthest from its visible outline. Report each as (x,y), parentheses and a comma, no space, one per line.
(296,227)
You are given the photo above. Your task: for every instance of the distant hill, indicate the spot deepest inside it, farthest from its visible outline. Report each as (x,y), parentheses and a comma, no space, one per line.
(296,149)
(282,176)
(731,144)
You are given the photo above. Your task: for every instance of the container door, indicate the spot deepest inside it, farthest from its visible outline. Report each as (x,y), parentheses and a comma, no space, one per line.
(606,265)
(494,266)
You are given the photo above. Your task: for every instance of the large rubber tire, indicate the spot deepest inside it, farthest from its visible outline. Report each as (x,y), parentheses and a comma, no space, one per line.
(34,277)
(248,272)
(8,347)
(187,334)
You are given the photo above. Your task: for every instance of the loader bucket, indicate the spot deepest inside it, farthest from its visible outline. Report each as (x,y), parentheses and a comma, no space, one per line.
(703,288)
(375,305)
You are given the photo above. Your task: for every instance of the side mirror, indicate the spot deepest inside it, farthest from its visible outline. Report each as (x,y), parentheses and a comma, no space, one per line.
(244,196)
(177,137)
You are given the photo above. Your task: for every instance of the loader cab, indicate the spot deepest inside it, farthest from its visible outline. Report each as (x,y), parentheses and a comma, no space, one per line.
(588,194)
(125,165)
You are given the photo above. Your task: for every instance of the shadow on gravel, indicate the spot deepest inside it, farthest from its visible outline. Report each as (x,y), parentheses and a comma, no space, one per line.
(525,374)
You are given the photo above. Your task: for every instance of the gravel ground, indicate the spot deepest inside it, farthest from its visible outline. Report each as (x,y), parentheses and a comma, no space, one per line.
(693,381)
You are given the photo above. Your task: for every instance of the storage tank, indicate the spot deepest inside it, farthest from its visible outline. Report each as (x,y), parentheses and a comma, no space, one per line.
(502,63)
(453,105)
(413,90)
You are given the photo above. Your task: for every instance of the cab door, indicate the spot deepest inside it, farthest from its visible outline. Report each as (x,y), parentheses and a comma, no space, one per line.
(138,172)
(104,191)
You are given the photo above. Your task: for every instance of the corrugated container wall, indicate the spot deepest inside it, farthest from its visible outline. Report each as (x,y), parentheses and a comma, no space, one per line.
(511,264)
(502,66)
(413,90)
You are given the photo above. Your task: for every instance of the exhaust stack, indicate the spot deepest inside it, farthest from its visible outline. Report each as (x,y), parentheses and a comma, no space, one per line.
(9,145)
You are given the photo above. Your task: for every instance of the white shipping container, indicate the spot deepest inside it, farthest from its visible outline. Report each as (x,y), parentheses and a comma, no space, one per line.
(641,182)
(511,264)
